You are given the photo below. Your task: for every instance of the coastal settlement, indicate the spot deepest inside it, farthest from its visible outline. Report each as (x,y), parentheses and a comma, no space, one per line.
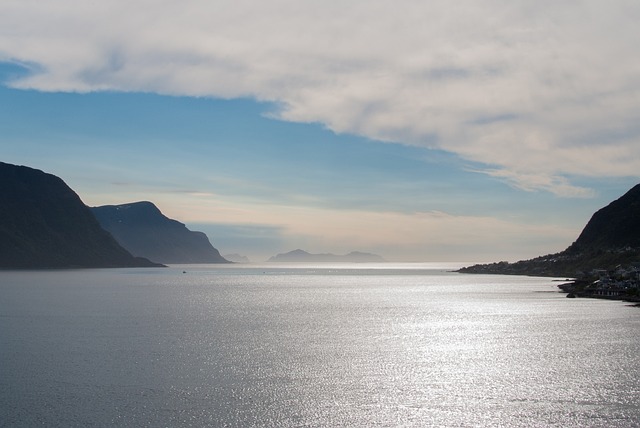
(621,283)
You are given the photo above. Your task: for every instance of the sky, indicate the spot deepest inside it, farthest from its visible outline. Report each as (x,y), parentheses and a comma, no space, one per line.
(479,130)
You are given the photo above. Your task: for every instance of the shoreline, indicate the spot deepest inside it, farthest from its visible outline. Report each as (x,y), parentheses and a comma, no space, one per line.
(577,288)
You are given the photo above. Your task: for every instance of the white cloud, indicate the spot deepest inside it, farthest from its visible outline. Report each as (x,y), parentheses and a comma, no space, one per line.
(537,91)
(529,182)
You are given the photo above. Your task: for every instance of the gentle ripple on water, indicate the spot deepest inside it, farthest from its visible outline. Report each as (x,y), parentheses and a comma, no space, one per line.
(311,346)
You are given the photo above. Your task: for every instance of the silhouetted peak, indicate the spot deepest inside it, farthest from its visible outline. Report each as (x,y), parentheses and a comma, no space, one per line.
(614,226)
(141,228)
(44,224)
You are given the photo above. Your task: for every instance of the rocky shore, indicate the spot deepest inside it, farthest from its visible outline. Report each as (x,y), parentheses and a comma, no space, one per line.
(622,283)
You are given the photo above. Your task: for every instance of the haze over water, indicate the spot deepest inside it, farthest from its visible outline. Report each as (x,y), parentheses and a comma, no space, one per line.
(303,345)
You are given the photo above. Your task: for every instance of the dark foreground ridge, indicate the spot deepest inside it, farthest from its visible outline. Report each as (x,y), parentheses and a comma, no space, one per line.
(144,231)
(605,259)
(45,225)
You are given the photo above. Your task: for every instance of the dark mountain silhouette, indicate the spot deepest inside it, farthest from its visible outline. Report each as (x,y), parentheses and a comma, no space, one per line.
(143,230)
(610,238)
(44,224)
(303,256)
(615,226)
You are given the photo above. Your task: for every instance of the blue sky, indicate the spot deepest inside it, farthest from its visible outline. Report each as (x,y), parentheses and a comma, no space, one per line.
(468,140)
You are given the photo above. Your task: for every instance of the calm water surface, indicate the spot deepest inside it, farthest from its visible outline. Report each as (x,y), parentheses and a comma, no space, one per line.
(316,346)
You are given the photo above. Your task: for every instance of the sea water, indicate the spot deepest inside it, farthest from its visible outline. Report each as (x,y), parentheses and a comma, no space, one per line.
(311,346)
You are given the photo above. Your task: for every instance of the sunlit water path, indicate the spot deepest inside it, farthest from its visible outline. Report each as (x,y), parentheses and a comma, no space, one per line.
(301,345)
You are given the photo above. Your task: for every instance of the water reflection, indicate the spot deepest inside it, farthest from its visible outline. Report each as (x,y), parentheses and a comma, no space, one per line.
(311,347)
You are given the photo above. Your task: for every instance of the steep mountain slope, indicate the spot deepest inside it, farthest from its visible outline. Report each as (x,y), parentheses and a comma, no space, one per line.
(615,226)
(142,229)
(44,224)
(610,238)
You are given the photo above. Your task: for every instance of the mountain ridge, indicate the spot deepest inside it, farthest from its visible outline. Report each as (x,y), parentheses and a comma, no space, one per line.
(45,225)
(143,230)
(614,226)
(611,238)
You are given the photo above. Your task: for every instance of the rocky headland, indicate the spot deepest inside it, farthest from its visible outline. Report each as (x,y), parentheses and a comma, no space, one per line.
(144,231)
(604,261)
(45,225)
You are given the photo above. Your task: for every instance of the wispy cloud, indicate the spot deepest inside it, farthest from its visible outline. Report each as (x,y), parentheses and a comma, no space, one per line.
(558,185)
(538,91)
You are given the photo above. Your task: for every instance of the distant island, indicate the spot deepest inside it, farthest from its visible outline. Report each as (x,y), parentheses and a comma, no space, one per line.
(303,256)
(237,258)
(45,225)
(144,231)
(605,259)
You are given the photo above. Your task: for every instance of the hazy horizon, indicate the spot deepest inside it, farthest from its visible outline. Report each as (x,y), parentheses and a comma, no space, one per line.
(474,131)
